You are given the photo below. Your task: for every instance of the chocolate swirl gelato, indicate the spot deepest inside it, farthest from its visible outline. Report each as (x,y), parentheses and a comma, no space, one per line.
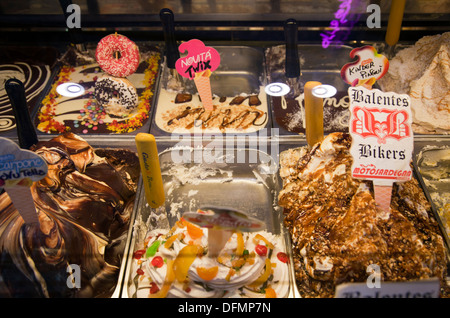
(84,205)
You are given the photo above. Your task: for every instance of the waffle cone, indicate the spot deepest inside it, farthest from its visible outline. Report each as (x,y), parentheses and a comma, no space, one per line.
(383,197)
(22,200)
(203,84)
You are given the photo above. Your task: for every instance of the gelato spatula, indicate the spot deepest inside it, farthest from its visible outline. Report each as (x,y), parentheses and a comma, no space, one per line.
(292,62)
(394,25)
(171,51)
(221,223)
(25,129)
(150,169)
(26,166)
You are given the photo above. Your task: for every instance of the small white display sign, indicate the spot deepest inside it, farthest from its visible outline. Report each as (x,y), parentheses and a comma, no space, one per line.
(382,138)
(427,288)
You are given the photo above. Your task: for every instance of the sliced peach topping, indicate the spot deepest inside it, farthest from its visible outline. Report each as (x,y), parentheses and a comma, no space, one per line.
(184,260)
(264,276)
(270,293)
(170,241)
(194,231)
(240,244)
(207,273)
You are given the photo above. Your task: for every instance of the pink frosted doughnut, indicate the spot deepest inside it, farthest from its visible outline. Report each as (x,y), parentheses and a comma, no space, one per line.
(117,55)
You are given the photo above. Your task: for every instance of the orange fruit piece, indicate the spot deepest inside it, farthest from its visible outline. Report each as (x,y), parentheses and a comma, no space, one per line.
(270,293)
(184,260)
(207,273)
(170,241)
(194,231)
(264,276)
(240,244)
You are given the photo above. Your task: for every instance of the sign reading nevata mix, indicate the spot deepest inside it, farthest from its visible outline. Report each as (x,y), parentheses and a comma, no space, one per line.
(382,139)
(198,65)
(199,59)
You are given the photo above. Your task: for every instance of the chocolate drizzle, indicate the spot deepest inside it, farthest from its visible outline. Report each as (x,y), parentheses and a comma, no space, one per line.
(222,116)
(199,117)
(253,100)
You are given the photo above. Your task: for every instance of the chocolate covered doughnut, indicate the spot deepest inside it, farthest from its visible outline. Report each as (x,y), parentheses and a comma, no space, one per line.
(117,95)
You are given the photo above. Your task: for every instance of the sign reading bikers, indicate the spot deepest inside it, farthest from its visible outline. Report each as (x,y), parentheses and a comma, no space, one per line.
(382,139)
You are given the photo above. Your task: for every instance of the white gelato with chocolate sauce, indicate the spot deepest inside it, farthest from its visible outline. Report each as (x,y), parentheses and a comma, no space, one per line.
(184,113)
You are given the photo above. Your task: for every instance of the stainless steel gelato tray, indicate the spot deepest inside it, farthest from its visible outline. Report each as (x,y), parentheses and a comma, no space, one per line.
(289,113)
(69,101)
(312,57)
(316,64)
(84,204)
(432,161)
(243,179)
(239,99)
(323,239)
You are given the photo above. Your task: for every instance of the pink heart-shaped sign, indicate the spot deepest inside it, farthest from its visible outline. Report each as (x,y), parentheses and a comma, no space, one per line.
(200,58)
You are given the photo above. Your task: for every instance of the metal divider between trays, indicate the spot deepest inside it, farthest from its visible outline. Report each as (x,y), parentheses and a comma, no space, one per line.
(420,179)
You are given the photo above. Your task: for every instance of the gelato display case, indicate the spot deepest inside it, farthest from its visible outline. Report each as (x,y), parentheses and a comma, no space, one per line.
(311,227)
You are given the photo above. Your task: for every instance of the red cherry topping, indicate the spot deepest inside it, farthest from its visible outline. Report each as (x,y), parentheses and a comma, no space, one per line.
(261,250)
(157,261)
(282,257)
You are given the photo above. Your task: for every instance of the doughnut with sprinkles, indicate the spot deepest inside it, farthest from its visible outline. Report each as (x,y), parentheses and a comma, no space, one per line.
(117,55)
(117,95)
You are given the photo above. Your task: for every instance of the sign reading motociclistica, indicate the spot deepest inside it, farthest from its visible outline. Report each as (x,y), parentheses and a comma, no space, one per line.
(382,138)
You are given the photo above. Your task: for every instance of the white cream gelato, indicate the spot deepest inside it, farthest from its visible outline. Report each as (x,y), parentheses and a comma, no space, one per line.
(190,116)
(423,72)
(250,265)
